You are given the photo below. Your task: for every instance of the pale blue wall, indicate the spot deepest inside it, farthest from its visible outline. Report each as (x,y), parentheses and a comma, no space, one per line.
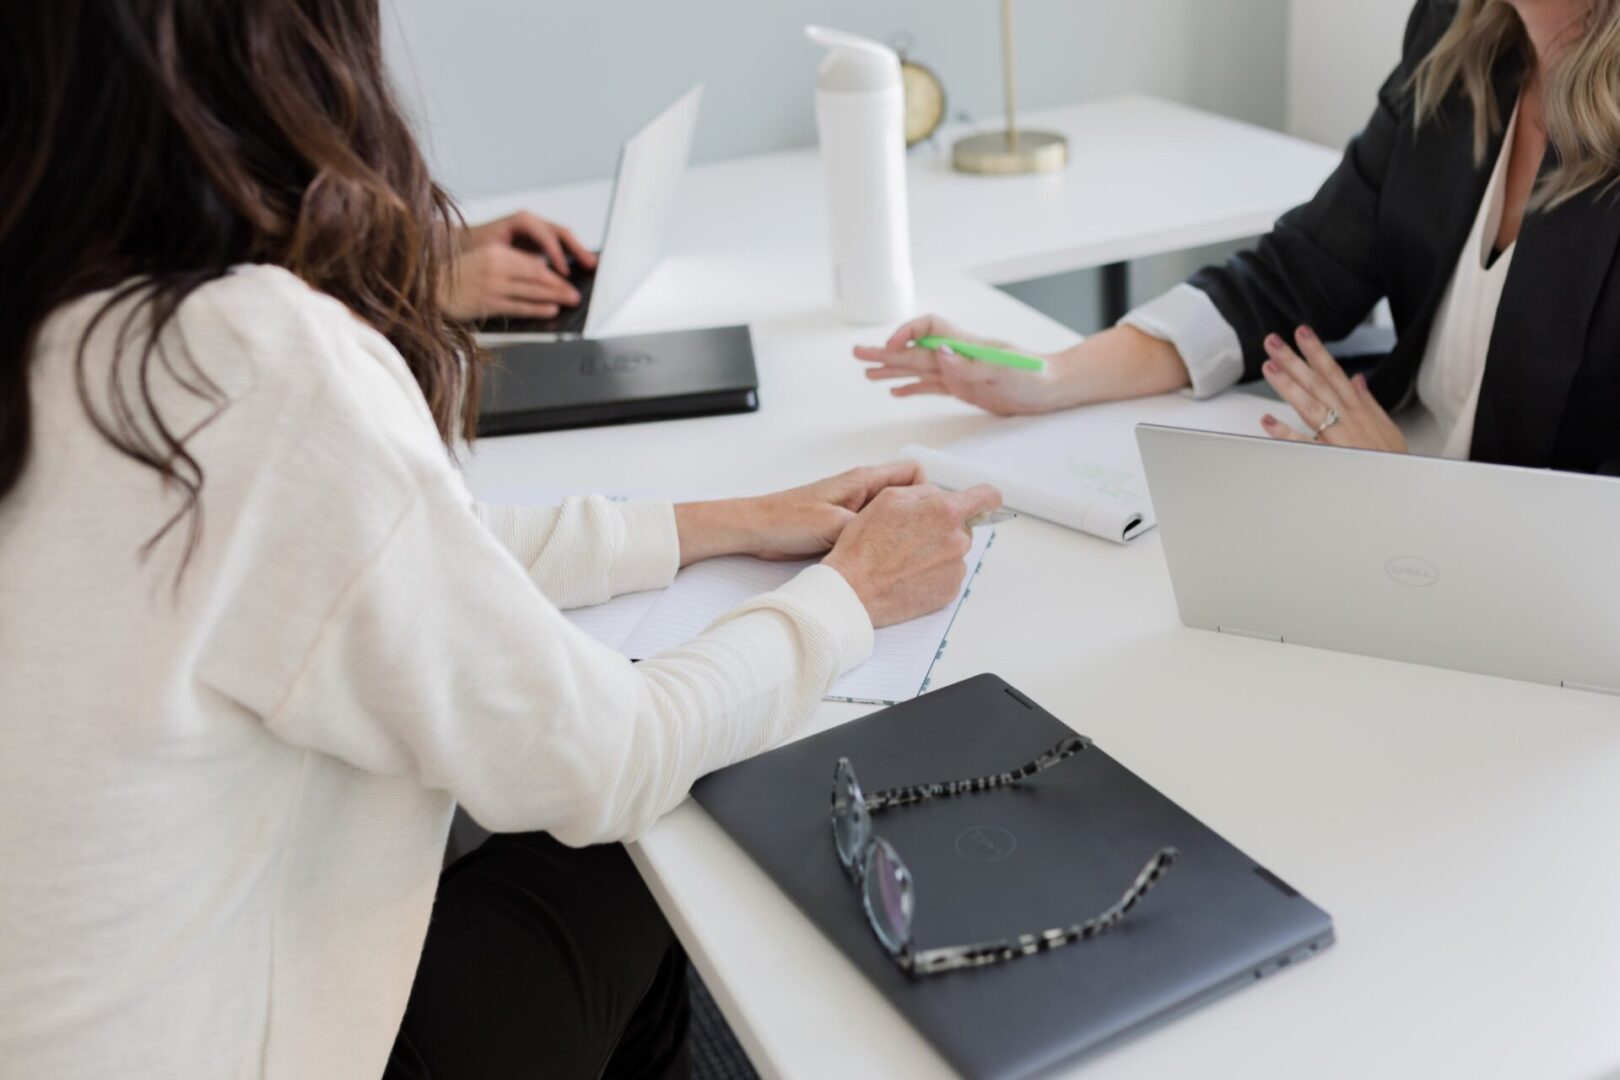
(519,93)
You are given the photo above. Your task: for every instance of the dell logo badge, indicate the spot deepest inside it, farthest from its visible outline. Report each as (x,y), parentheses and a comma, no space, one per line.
(1411,571)
(986,844)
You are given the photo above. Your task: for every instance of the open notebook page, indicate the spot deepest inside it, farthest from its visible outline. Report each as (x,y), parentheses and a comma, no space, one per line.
(902,655)
(644,624)
(1081,468)
(612,623)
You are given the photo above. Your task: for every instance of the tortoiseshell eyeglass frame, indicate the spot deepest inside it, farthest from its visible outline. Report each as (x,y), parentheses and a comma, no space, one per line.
(957,957)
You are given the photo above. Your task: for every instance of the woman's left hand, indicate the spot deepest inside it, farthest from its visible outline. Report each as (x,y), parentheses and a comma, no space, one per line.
(1341,411)
(797,524)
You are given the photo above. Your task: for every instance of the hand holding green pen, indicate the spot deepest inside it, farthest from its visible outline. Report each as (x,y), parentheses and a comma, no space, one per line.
(928,355)
(988,354)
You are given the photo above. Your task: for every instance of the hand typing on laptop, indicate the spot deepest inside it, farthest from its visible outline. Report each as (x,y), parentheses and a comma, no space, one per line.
(516,265)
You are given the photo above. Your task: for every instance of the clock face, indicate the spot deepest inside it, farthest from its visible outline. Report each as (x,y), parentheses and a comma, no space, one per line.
(925,101)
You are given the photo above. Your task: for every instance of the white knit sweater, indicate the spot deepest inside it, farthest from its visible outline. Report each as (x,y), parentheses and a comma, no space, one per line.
(223,805)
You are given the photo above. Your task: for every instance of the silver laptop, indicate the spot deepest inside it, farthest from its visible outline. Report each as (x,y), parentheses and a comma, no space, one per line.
(1487,568)
(648,177)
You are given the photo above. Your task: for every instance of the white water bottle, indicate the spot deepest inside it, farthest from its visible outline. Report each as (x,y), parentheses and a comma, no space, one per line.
(860,114)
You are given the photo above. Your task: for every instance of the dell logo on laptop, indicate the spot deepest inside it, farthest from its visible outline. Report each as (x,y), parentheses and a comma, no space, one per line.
(1411,571)
(986,844)
(598,363)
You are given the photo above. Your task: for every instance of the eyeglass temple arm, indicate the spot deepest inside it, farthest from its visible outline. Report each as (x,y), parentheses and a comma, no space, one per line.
(905,796)
(954,958)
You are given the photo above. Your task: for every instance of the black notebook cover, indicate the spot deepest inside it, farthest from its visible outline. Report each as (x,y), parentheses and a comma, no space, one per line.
(542,386)
(1050,852)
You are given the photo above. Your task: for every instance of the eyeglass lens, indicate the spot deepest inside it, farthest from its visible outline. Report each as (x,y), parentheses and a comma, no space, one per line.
(888,895)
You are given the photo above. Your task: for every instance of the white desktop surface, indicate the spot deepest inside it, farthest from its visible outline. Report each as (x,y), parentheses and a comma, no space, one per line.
(1463,831)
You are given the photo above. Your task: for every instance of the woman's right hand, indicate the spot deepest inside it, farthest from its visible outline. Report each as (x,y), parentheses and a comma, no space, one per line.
(495,279)
(514,266)
(1000,390)
(904,553)
(1117,363)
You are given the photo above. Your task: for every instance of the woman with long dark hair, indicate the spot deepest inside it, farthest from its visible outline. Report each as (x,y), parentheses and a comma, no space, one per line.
(256,640)
(1480,200)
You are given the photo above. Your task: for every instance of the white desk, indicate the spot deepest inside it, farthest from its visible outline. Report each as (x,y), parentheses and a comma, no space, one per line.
(1463,831)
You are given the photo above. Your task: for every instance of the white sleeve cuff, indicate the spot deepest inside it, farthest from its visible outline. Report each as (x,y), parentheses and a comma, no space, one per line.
(652,551)
(1188,319)
(591,548)
(820,597)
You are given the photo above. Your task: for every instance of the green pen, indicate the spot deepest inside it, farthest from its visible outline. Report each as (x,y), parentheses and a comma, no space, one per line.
(988,354)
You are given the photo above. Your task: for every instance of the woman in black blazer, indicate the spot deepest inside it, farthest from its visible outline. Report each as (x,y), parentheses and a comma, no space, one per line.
(1392,221)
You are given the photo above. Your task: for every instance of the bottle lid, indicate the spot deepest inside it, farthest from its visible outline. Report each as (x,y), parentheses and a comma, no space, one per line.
(854,64)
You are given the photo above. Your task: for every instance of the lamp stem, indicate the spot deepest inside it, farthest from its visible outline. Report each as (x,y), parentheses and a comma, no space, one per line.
(1010,82)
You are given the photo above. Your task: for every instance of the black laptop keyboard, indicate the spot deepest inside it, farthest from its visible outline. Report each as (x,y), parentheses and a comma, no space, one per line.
(570,320)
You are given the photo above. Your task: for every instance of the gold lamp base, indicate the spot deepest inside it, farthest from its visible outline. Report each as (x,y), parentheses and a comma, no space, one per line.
(1010,153)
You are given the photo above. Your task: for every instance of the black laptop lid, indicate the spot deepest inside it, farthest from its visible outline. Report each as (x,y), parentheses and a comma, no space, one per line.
(1057,849)
(540,385)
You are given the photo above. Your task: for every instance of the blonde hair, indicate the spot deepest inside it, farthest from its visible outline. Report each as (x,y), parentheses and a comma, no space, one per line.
(1581,90)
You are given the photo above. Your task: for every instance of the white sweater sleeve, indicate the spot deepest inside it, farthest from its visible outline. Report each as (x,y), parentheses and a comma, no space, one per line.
(589,549)
(443,662)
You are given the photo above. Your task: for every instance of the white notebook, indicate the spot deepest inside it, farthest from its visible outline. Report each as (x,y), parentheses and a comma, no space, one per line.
(1081,468)
(642,625)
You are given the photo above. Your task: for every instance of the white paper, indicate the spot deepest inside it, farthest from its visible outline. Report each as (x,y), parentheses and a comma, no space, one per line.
(1081,469)
(902,655)
(1112,516)
(612,623)
(642,625)
(701,594)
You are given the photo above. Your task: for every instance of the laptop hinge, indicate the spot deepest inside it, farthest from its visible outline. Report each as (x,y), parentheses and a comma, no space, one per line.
(1248,633)
(1589,688)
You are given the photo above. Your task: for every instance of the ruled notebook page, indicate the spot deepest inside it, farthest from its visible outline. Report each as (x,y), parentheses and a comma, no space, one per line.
(612,623)
(901,657)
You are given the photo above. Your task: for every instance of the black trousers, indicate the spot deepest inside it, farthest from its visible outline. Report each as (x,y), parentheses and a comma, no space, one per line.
(545,961)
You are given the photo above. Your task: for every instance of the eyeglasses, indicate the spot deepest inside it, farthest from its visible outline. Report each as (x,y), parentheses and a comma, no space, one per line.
(885,884)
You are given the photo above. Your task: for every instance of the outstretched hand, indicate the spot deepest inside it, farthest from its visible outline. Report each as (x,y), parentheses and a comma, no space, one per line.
(1340,410)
